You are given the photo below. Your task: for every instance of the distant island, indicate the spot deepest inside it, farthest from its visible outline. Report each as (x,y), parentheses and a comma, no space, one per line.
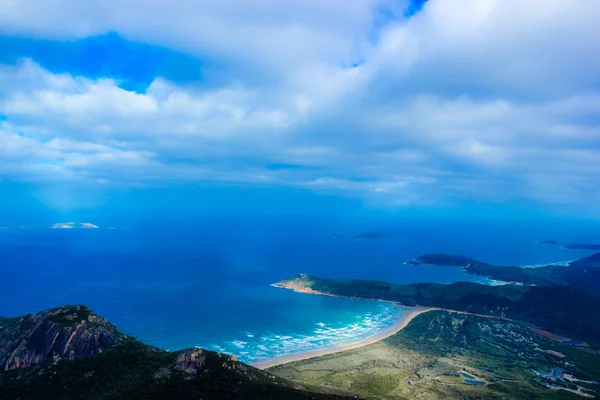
(549,242)
(73,225)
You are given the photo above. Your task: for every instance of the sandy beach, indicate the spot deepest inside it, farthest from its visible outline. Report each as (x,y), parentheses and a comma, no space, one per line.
(408,316)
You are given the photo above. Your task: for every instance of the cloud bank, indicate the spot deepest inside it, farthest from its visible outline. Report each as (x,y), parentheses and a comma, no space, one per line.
(485,100)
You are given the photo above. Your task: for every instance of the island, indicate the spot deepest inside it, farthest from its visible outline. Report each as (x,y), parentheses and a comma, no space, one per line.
(73,225)
(553,242)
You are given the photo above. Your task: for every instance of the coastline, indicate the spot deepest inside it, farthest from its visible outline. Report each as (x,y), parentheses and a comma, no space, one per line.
(409,316)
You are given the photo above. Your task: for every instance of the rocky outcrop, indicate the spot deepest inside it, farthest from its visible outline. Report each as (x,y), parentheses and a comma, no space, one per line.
(189,361)
(61,333)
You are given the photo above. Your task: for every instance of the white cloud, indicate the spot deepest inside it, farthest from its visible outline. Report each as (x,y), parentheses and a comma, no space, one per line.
(483,99)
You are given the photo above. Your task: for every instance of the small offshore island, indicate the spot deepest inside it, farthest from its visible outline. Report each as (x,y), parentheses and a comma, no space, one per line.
(73,225)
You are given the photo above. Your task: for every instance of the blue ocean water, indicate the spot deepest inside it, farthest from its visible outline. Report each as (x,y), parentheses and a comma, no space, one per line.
(207,283)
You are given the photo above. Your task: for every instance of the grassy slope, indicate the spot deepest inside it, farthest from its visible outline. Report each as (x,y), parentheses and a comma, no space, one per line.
(423,359)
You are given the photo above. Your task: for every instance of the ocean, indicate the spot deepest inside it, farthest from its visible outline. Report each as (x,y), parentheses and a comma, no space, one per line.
(207,283)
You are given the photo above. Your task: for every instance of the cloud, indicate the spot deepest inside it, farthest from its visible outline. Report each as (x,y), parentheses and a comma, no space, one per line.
(493,100)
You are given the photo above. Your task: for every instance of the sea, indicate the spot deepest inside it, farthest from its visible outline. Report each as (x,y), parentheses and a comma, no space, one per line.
(207,283)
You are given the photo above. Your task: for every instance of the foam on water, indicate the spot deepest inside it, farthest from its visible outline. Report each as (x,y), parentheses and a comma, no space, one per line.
(267,345)
(548,264)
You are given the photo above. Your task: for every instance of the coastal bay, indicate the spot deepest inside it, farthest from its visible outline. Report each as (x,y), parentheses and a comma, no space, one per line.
(407,317)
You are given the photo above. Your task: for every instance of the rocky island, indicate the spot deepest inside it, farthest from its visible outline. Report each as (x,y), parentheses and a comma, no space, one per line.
(73,225)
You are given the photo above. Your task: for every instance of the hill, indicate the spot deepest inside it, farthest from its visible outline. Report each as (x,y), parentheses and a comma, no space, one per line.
(583,273)
(72,353)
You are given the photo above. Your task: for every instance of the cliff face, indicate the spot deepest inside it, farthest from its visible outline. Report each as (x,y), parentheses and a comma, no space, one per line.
(61,333)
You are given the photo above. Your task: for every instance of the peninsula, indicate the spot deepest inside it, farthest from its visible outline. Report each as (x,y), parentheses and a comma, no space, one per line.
(583,273)
(562,309)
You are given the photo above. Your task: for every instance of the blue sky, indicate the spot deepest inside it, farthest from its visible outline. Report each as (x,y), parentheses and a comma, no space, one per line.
(317,106)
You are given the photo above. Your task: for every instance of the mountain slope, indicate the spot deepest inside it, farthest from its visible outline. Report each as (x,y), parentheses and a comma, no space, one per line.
(71,353)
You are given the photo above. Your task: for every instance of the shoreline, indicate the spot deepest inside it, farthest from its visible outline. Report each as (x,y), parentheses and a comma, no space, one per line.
(280,360)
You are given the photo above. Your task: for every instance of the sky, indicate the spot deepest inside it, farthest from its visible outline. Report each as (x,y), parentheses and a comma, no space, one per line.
(300,106)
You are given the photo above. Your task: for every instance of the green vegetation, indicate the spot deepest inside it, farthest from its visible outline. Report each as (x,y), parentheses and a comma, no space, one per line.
(128,372)
(561,309)
(423,360)
(67,315)
(583,273)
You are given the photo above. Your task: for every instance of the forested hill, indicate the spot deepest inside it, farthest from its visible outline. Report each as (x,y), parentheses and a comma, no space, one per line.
(583,273)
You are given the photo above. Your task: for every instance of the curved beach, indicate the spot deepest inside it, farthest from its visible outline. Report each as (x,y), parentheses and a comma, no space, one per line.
(407,317)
